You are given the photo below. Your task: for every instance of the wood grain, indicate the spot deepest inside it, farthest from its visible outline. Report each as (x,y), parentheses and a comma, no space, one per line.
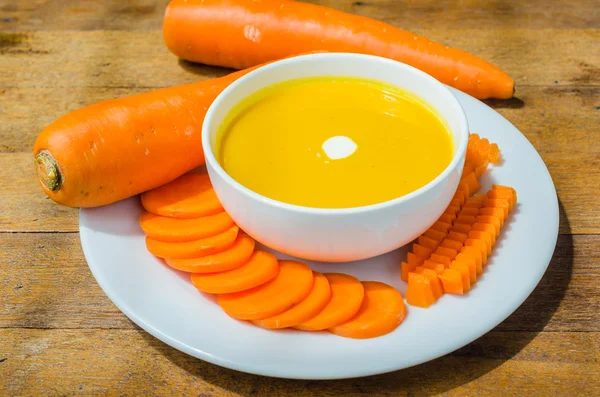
(148,14)
(140,59)
(132,363)
(48,285)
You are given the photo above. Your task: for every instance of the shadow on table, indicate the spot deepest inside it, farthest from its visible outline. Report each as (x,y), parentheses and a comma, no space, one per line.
(202,69)
(437,376)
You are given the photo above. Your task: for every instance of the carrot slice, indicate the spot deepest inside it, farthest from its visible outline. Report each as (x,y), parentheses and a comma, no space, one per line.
(475,253)
(291,285)
(382,311)
(463,269)
(484,237)
(317,299)
(428,242)
(260,268)
(457,236)
(175,230)
(470,211)
(437,267)
(493,220)
(193,249)
(480,245)
(441,226)
(435,235)
(449,252)
(461,228)
(419,292)
(434,281)
(443,259)
(452,244)
(189,196)
(456,202)
(486,227)
(347,294)
(470,263)
(420,251)
(233,257)
(451,281)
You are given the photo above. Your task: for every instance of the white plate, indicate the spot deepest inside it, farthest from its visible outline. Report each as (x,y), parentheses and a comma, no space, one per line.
(164,303)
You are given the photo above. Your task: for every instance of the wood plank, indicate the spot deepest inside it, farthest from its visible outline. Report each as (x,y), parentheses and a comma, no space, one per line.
(148,14)
(48,285)
(25,206)
(140,59)
(132,363)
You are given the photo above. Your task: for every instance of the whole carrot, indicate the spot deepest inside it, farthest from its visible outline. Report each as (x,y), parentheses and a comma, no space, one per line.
(115,149)
(243,33)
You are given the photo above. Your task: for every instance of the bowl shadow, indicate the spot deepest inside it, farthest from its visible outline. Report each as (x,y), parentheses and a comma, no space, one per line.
(440,375)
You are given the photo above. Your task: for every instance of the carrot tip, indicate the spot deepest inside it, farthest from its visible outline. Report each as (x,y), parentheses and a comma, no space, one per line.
(48,171)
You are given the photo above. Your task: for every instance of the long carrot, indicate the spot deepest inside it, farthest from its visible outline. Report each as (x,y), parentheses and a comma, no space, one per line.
(381,312)
(112,150)
(291,285)
(242,33)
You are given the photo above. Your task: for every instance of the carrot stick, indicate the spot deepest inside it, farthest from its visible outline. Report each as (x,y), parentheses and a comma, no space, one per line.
(193,249)
(189,196)
(419,292)
(434,282)
(381,312)
(452,282)
(112,150)
(317,299)
(235,256)
(241,33)
(292,284)
(347,294)
(173,230)
(260,268)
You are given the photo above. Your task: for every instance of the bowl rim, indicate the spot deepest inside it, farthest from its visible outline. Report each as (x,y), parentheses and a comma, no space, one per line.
(212,162)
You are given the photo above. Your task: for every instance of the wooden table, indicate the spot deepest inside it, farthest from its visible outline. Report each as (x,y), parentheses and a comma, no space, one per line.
(59,333)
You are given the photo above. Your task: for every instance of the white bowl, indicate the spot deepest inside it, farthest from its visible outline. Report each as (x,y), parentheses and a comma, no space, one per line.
(347,234)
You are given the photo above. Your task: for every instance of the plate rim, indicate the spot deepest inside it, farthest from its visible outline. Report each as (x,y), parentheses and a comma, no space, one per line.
(369,370)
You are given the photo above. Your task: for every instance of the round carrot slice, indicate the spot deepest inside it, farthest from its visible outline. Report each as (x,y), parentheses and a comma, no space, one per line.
(233,257)
(261,267)
(193,249)
(381,312)
(189,196)
(292,284)
(346,297)
(173,230)
(319,296)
